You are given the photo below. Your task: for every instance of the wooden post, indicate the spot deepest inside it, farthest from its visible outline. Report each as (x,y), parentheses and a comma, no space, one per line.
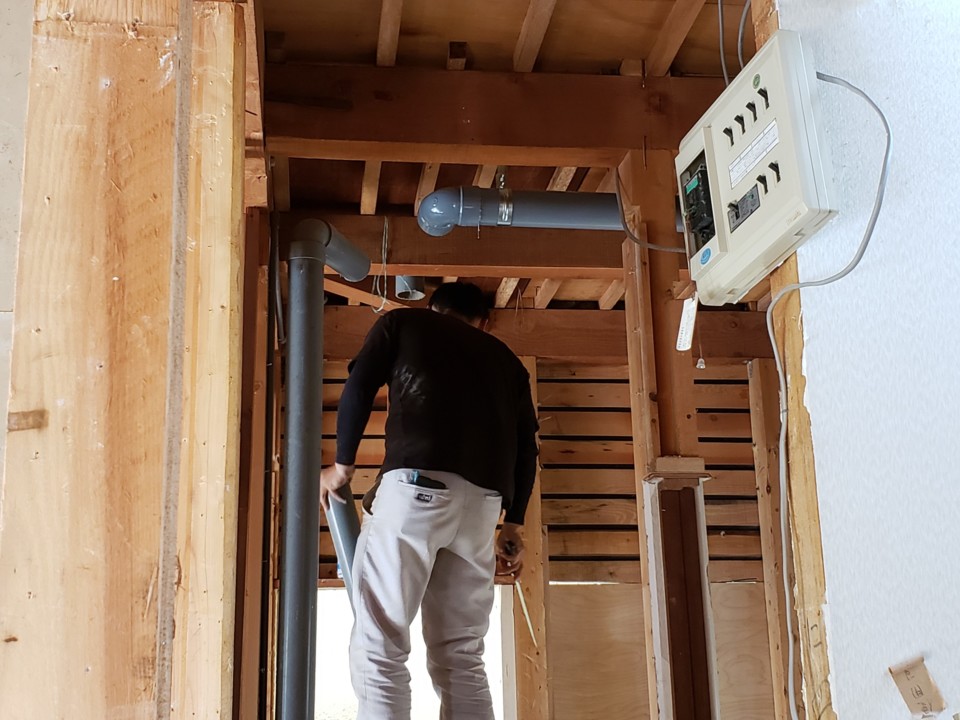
(533,700)
(80,524)
(644,417)
(253,458)
(765,424)
(804,510)
(209,462)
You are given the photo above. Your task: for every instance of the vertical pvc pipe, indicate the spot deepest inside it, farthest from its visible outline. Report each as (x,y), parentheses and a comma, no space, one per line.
(300,507)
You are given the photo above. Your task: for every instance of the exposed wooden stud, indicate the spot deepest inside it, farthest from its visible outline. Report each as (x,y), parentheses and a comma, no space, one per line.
(207,510)
(611,296)
(90,350)
(633,68)
(534,29)
(255,166)
(456,56)
(305,112)
(450,278)
(806,540)
(764,416)
(281,183)
(485,175)
(370,187)
(593,178)
(609,182)
(505,291)
(428,183)
(562,177)
(389,36)
(548,288)
(644,416)
(682,16)
(533,697)
(358,296)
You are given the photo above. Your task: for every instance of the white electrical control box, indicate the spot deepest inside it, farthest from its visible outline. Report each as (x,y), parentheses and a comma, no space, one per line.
(752,176)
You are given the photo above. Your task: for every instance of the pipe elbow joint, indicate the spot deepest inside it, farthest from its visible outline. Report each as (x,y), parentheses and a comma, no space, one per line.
(441,211)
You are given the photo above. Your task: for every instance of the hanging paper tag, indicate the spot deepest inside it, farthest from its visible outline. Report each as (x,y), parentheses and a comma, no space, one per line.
(687,321)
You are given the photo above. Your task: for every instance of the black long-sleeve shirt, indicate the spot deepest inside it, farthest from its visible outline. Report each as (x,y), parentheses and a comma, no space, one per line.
(460,402)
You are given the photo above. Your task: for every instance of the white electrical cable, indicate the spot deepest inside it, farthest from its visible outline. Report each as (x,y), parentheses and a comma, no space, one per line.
(626,226)
(380,279)
(723,59)
(781,373)
(743,25)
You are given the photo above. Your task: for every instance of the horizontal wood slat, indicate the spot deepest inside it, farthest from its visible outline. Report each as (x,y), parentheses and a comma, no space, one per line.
(589,512)
(724,425)
(603,543)
(333,390)
(721,483)
(560,370)
(732,545)
(614,571)
(735,570)
(724,397)
(584,395)
(727,453)
(586,424)
(586,452)
(590,481)
(736,513)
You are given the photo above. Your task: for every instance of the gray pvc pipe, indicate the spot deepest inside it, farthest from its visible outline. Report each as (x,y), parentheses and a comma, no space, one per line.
(316,244)
(445,209)
(339,253)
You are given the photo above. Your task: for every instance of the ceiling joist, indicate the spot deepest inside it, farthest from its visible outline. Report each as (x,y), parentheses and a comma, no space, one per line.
(424,115)
(389,38)
(678,23)
(534,28)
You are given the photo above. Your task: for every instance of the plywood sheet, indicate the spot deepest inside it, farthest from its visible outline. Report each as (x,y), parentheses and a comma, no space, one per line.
(597,666)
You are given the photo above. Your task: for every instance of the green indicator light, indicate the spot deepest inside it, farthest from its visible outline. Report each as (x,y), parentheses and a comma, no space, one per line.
(692,185)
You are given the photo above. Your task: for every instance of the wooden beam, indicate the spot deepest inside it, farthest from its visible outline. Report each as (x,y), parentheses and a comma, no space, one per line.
(581,334)
(485,175)
(534,28)
(592,179)
(635,68)
(806,541)
(281,183)
(255,167)
(609,182)
(78,598)
(408,114)
(644,416)
(765,419)
(533,697)
(207,507)
(562,177)
(359,295)
(457,56)
(683,15)
(647,187)
(611,296)
(428,183)
(505,291)
(389,35)
(370,187)
(545,292)
(500,252)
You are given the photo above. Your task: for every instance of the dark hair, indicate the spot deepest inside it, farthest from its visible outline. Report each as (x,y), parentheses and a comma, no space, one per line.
(460,298)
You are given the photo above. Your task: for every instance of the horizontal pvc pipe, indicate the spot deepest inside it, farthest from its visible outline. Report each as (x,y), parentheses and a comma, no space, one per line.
(447,208)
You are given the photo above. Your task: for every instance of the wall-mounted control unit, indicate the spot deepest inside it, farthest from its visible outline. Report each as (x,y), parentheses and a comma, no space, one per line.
(752,176)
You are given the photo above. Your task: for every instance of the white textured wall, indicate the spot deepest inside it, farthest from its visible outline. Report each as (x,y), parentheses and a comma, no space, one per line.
(883,349)
(15,33)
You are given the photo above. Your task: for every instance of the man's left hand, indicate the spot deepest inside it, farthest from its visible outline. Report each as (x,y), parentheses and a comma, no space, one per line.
(332,479)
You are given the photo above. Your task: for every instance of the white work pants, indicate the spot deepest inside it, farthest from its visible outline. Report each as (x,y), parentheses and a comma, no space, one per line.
(429,549)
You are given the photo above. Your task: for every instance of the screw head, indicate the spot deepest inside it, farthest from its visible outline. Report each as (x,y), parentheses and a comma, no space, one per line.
(756,81)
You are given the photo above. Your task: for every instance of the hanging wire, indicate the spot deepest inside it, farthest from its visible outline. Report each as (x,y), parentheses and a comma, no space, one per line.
(380,280)
(723,59)
(743,25)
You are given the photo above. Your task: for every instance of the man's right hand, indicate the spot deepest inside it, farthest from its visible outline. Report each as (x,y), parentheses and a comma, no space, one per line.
(332,479)
(510,549)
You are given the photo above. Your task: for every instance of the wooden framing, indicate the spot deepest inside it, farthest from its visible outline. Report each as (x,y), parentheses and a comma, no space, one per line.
(806,541)
(342,113)
(390,14)
(683,15)
(534,28)
(128,372)
(532,670)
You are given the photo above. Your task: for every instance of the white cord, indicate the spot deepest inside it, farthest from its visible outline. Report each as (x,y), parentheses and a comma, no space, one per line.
(380,280)
(743,25)
(781,374)
(626,226)
(723,59)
